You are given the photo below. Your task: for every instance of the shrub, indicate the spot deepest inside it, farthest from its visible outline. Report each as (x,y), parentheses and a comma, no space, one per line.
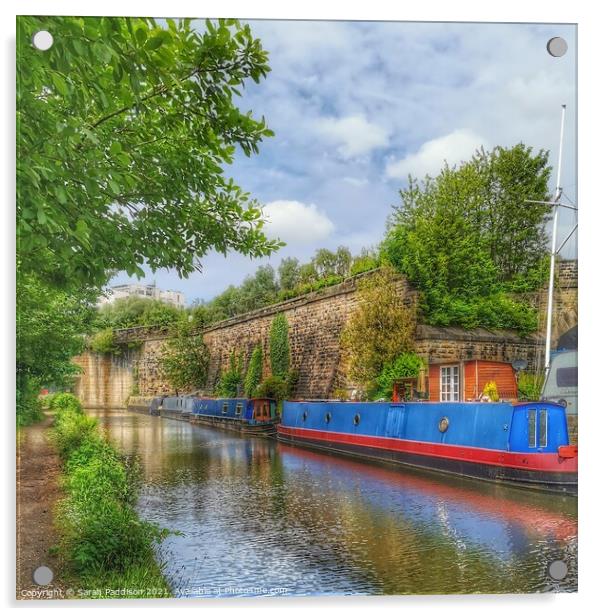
(72,430)
(254,372)
(530,385)
(66,401)
(185,359)
(379,330)
(279,346)
(103,342)
(231,379)
(406,365)
(275,387)
(102,535)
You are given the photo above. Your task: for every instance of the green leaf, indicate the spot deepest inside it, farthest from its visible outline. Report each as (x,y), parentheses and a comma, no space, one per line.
(60,84)
(141,35)
(154,43)
(61,194)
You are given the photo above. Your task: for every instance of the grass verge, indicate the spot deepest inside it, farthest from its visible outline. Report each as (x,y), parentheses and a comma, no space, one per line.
(106,548)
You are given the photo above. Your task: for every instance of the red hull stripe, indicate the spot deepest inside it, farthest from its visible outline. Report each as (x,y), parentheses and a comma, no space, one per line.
(530,461)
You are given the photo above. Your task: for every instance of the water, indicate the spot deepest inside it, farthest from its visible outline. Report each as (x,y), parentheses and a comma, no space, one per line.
(257,517)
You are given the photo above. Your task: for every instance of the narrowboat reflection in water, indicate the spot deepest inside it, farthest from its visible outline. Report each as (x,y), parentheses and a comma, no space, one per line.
(483,521)
(526,444)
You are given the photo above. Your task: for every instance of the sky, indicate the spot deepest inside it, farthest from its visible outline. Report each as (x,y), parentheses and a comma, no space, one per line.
(357,106)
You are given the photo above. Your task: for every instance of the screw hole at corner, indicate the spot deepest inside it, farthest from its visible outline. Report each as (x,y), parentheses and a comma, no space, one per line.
(42,40)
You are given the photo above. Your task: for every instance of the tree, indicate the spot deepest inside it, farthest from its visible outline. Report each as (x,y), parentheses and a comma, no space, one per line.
(134,311)
(325,263)
(123,129)
(379,330)
(254,372)
(231,379)
(280,354)
(447,237)
(185,359)
(367,260)
(50,331)
(308,273)
(288,273)
(258,290)
(343,261)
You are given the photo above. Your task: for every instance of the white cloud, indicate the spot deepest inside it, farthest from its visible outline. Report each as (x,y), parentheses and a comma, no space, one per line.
(296,223)
(353,134)
(454,148)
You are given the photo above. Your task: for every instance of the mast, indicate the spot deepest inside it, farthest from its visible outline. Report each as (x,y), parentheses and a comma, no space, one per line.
(556,201)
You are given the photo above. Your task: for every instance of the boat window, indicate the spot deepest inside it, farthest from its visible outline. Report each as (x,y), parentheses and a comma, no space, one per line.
(532,414)
(450,383)
(224,408)
(542,428)
(356,419)
(566,377)
(238,410)
(304,416)
(327,417)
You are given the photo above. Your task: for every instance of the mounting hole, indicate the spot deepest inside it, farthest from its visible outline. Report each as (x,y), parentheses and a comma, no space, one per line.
(557,46)
(42,576)
(558,570)
(42,40)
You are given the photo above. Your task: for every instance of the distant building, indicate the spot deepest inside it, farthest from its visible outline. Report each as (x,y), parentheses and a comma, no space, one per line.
(150,291)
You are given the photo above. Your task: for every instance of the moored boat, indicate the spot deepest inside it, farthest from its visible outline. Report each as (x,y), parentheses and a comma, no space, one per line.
(523,444)
(250,416)
(177,407)
(145,404)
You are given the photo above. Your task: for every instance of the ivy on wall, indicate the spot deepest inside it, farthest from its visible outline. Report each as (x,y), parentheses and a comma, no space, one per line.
(254,372)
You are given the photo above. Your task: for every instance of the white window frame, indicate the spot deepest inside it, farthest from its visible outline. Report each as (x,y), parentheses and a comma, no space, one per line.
(451,392)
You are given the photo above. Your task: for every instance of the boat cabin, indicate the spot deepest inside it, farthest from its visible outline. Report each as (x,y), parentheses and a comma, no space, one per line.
(458,381)
(463,381)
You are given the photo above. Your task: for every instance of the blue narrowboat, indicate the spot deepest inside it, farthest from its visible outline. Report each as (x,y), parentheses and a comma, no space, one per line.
(250,416)
(524,444)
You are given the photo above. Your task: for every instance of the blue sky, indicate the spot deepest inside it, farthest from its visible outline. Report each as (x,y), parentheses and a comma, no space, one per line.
(356,106)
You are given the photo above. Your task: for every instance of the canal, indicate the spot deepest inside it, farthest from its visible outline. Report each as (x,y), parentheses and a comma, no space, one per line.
(256,517)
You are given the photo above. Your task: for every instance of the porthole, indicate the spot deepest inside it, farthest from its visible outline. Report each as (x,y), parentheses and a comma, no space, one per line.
(356,419)
(327,417)
(304,416)
(443,424)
